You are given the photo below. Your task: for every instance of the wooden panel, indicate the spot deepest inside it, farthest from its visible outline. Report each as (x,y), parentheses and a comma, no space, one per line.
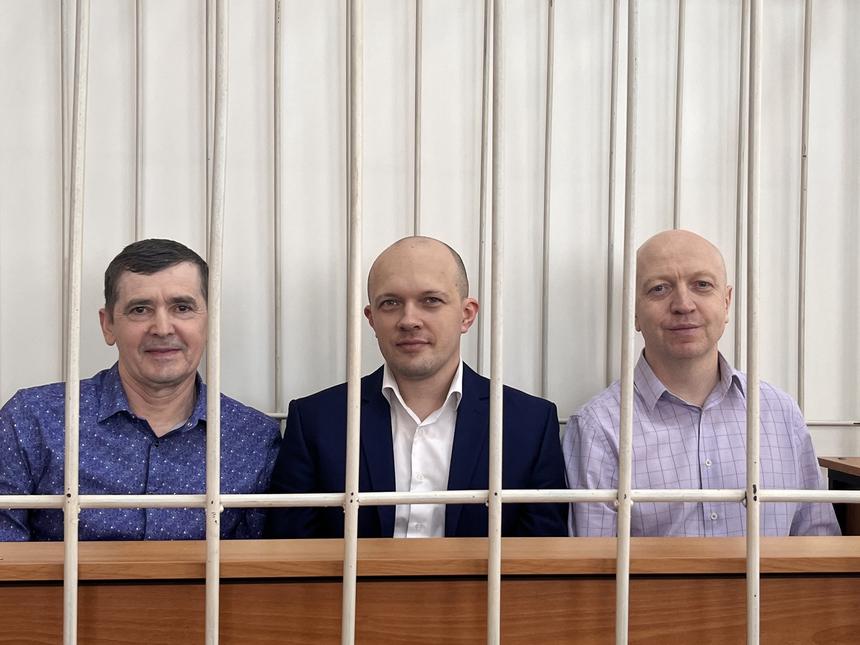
(386,557)
(797,609)
(847,465)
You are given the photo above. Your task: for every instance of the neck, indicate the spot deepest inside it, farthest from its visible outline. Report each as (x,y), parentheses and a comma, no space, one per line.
(163,409)
(425,396)
(691,380)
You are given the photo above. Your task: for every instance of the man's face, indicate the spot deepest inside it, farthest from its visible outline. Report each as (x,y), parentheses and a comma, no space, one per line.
(682,299)
(159,327)
(417,310)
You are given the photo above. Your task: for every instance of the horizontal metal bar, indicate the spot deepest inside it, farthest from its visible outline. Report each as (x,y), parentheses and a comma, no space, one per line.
(510,496)
(281,500)
(31,501)
(430,497)
(525,496)
(832,496)
(688,495)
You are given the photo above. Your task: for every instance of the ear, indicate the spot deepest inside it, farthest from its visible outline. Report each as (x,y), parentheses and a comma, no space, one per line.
(636,322)
(369,315)
(470,313)
(728,300)
(107,326)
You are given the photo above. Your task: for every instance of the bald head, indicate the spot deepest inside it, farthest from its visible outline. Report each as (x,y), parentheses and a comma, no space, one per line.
(404,250)
(675,245)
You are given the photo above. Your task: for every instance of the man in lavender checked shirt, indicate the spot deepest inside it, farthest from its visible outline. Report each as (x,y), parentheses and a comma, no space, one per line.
(689,420)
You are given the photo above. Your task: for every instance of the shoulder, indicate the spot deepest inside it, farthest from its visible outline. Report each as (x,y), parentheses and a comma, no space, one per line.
(247,419)
(38,400)
(603,409)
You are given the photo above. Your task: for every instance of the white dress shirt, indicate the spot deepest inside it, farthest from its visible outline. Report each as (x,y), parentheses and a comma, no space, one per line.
(422,456)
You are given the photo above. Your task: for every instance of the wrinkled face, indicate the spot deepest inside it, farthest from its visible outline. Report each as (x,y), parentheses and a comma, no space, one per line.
(416,309)
(682,299)
(159,327)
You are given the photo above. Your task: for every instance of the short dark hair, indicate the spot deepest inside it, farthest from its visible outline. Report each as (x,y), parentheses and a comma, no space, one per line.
(148,257)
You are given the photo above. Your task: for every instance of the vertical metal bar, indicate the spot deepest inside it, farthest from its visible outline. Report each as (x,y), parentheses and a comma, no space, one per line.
(71,506)
(610,250)
(547,190)
(753,395)
(348,128)
(65,180)
(740,219)
(277,215)
(209,57)
(625,443)
(138,148)
(419,80)
(494,529)
(213,349)
(353,328)
(804,176)
(482,199)
(679,113)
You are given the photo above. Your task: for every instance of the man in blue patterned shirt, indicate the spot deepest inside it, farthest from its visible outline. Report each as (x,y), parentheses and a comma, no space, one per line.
(689,421)
(143,421)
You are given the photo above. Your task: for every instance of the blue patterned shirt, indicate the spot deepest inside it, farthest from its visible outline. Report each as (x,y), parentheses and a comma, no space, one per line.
(679,445)
(121,455)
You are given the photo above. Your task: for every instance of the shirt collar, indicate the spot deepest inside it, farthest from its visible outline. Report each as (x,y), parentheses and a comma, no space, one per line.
(651,388)
(113,398)
(389,387)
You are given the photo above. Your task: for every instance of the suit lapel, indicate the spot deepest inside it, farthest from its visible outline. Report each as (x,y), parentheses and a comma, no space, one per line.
(376,445)
(470,443)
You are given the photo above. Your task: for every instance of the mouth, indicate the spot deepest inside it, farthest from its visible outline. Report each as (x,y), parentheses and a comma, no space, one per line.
(683,329)
(162,352)
(412,344)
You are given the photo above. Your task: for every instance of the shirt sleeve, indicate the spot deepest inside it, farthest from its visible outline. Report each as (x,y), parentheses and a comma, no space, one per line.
(15,471)
(253,521)
(591,463)
(810,518)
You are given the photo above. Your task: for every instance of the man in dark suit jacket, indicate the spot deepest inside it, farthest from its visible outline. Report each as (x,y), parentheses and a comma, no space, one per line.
(424,418)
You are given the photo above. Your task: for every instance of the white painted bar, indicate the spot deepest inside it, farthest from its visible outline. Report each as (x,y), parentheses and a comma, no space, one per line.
(547,194)
(831,496)
(137,213)
(494,528)
(213,349)
(72,405)
(353,327)
(688,495)
(610,237)
(804,184)
(509,496)
(740,214)
(482,198)
(32,501)
(65,180)
(209,143)
(430,497)
(753,385)
(278,212)
(679,112)
(526,496)
(625,440)
(419,79)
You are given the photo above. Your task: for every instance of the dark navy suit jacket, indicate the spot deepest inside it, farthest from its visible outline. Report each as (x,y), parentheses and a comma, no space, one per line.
(313,456)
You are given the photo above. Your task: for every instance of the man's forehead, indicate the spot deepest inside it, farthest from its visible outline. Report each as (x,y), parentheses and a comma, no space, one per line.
(419,266)
(692,258)
(179,279)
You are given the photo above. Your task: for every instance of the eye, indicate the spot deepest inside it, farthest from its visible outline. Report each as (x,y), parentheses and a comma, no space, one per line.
(184,308)
(703,284)
(433,300)
(659,289)
(140,311)
(388,303)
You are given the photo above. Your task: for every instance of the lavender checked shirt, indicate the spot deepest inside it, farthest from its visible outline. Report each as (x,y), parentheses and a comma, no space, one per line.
(120,454)
(679,445)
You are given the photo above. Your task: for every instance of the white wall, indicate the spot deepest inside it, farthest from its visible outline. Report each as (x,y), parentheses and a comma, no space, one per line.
(173,176)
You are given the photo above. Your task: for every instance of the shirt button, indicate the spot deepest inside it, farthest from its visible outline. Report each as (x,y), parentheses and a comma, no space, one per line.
(420,477)
(708,463)
(419,526)
(714,516)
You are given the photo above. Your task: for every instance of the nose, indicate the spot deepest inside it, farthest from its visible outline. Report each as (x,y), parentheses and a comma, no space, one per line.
(409,318)
(682,301)
(162,324)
